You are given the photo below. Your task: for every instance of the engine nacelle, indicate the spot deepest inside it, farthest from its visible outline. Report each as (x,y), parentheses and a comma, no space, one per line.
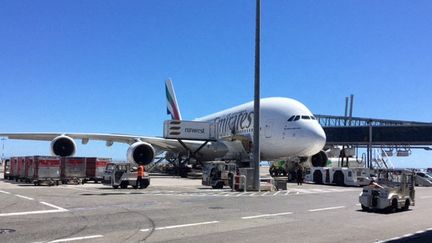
(63,146)
(141,153)
(319,159)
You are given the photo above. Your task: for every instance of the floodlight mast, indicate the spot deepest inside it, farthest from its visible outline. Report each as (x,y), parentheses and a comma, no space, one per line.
(256,139)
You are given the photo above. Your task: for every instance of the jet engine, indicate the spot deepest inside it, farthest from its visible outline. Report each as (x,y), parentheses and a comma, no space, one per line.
(141,153)
(63,146)
(319,159)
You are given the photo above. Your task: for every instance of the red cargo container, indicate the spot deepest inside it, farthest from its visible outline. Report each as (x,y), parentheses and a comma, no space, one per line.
(13,168)
(95,168)
(29,169)
(73,169)
(20,172)
(46,169)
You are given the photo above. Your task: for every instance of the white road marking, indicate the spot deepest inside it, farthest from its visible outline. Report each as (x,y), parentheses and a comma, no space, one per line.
(57,209)
(358,204)
(265,193)
(297,193)
(252,194)
(31,212)
(266,215)
(426,197)
(241,194)
(286,193)
(276,193)
(322,209)
(77,238)
(5,192)
(319,190)
(21,196)
(78,189)
(181,226)
(54,206)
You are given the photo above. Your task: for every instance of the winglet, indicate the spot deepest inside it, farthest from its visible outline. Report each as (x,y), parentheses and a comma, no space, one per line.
(172,105)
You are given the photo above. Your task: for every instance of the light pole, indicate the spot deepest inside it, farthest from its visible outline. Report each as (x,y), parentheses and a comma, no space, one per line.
(256,147)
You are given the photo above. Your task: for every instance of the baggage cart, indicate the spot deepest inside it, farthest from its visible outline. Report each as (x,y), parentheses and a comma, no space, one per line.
(46,170)
(95,168)
(73,170)
(20,172)
(28,169)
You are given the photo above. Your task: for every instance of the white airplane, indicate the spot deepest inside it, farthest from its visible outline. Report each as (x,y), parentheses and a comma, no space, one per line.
(288,128)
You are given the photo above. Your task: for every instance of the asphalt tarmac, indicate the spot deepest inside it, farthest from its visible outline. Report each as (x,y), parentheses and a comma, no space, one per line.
(181,210)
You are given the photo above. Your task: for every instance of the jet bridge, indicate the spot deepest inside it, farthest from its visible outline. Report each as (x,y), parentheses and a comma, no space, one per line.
(358,131)
(376,133)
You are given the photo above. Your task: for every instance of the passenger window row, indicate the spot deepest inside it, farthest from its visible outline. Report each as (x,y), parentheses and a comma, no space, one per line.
(298,117)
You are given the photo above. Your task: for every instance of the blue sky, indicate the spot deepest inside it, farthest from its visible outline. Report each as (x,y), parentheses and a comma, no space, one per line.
(100,66)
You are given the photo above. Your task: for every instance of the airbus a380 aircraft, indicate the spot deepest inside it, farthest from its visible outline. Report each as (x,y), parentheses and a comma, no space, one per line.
(288,129)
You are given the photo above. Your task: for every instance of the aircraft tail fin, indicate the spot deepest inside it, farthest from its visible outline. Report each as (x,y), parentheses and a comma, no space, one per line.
(172,105)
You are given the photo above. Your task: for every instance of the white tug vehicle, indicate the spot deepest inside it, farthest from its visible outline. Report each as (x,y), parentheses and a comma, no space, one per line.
(393,190)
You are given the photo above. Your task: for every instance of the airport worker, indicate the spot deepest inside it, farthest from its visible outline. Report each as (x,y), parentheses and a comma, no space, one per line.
(299,175)
(140,176)
(373,184)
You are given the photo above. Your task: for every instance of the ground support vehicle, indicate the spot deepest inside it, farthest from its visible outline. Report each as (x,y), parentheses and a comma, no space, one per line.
(6,169)
(95,168)
(218,174)
(394,190)
(340,176)
(278,168)
(423,179)
(122,175)
(73,170)
(46,170)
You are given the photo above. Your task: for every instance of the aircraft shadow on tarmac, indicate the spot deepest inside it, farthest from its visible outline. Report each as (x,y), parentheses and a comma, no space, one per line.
(417,237)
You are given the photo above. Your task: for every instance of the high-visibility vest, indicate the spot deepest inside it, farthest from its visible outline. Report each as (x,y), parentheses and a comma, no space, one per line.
(141,170)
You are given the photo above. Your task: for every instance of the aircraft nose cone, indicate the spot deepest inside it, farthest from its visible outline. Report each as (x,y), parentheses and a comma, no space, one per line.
(317,139)
(320,137)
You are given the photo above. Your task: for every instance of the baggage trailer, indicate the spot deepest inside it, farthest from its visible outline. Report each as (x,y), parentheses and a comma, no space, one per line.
(20,172)
(46,170)
(73,169)
(13,168)
(95,168)
(28,169)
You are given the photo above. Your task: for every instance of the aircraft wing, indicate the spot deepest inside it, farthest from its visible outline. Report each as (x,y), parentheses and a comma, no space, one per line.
(158,142)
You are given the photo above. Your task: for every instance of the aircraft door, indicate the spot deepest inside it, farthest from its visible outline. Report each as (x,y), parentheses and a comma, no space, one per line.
(268,128)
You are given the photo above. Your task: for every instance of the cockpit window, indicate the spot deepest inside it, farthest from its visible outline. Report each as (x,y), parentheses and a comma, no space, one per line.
(305,117)
(313,118)
(291,118)
(297,118)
